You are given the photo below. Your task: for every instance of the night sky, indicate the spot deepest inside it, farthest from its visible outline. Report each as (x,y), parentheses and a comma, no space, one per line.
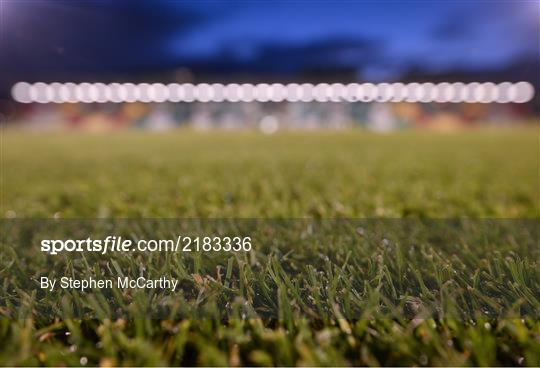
(380,40)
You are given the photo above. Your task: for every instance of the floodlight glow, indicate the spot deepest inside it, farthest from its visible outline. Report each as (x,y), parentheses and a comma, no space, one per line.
(384,92)
(488,92)
(21,92)
(306,92)
(350,92)
(399,92)
(132,93)
(262,92)
(320,92)
(278,92)
(55,92)
(218,92)
(39,92)
(64,93)
(337,92)
(470,92)
(113,93)
(246,92)
(292,92)
(203,92)
(232,92)
(459,92)
(445,92)
(160,93)
(523,92)
(369,92)
(175,92)
(503,90)
(189,92)
(428,91)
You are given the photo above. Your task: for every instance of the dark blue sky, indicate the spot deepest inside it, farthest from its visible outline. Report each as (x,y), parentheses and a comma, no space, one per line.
(378,40)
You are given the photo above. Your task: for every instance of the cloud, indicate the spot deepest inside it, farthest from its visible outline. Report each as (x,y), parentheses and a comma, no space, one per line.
(458,25)
(281,57)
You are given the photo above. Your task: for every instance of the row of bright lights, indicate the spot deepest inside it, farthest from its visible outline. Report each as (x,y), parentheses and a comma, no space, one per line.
(384,92)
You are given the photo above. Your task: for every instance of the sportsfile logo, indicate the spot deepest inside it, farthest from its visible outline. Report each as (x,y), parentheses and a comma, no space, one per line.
(110,244)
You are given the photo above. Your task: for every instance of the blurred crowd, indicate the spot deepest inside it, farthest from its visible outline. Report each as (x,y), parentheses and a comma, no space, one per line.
(267,116)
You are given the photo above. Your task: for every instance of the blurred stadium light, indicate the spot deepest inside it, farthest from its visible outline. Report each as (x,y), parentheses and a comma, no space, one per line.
(488,92)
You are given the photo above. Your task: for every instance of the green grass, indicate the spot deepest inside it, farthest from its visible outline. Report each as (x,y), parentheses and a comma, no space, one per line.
(481,174)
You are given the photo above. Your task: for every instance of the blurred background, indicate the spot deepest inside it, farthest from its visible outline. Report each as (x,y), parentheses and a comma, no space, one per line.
(269,65)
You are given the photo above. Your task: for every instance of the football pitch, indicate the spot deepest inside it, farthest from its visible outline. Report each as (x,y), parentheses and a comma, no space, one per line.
(481,174)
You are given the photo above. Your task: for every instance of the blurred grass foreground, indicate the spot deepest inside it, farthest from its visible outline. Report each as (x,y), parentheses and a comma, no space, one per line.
(483,173)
